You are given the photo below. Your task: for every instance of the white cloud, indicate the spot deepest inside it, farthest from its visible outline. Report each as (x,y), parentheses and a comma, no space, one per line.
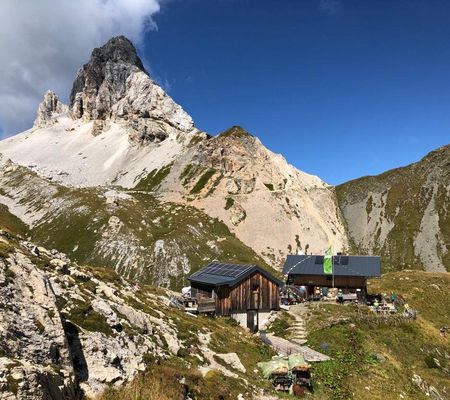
(44,42)
(330,7)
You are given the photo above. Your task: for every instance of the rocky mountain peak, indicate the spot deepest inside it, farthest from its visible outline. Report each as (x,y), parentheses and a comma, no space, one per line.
(48,110)
(114,86)
(102,81)
(235,131)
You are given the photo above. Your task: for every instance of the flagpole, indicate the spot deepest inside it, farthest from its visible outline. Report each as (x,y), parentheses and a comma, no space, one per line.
(332,263)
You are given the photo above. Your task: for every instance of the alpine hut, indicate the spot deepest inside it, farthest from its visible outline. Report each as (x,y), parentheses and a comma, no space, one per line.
(247,293)
(349,273)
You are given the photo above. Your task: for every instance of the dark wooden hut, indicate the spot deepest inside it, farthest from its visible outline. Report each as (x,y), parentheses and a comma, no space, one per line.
(349,272)
(245,292)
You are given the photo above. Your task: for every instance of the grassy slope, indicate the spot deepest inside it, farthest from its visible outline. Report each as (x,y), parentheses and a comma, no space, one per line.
(79,222)
(11,223)
(408,193)
(374,358)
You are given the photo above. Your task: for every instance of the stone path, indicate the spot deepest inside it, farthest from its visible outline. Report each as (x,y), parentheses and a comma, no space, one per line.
(297,332)
(297,337)
(287,347)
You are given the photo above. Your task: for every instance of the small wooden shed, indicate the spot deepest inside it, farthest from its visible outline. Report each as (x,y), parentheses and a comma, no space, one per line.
(245,292)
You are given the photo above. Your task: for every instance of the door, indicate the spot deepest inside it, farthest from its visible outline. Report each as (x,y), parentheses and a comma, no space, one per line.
(252,320)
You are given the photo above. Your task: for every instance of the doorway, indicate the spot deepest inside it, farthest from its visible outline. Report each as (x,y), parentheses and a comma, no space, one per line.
(252,320)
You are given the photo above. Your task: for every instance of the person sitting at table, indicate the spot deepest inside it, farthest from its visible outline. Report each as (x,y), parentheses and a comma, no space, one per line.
(376,305)
(392,297)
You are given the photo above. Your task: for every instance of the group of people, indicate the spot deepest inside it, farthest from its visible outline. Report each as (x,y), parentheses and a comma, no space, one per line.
(385,300)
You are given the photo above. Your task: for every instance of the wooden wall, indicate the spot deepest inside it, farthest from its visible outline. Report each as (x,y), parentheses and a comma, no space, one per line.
(326,280)
(240,298)
(199,290)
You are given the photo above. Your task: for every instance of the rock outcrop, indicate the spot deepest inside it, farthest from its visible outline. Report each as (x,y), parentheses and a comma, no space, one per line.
(114,85)
(48,111)
(270,205)
(64,333)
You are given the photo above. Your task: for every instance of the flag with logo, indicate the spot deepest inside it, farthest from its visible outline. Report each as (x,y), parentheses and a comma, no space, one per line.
(328,261)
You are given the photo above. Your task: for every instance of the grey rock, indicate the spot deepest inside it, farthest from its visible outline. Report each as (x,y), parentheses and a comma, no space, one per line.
(48,111)
(114,85)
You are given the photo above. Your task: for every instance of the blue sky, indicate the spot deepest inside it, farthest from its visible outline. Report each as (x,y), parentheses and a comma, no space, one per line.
(342,89)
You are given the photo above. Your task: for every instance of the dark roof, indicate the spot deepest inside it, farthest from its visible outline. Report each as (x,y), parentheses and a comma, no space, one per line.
(218,274)
(367,266)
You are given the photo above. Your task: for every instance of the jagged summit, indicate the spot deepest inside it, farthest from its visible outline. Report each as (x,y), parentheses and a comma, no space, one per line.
(114,86)
(105,76)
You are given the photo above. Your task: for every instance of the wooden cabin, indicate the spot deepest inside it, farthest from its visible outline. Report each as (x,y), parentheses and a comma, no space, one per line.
(350,273)
(245,292)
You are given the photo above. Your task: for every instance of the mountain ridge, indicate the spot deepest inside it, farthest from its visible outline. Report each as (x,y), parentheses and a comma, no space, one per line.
(403,213)
(123,132)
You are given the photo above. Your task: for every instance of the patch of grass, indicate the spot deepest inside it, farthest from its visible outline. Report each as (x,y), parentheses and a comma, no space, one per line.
(40,326)
(11,223)
(195,140)
(215,184)
(269,186)
(280,326)
(12,385)
(105,274)
(229,203)
(163,382)
(236,132)
(5,249)
(83,315)
(154,179)
(382,356)
(203,180)
(10,274)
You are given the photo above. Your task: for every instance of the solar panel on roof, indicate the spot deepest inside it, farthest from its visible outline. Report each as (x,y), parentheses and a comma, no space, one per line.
(319,260)
(230,270)
(340,260)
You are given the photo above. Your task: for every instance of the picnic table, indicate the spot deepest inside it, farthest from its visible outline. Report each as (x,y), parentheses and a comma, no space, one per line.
(388,309)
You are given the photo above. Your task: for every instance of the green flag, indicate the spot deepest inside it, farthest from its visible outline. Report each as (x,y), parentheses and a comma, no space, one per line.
(328,261)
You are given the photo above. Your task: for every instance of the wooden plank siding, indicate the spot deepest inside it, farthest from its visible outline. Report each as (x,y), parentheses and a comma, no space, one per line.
(240,298)
(327,280)
(198,290)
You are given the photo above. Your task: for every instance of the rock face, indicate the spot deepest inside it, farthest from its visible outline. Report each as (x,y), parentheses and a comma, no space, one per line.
(64,333)
(270,205)
(102,81)
(403,214)
(48,111)
(31,331)
(114,85)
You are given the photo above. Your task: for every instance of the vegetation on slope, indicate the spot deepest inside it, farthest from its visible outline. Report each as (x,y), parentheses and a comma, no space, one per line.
(167,375)
(141,237)
(11,223)
(407,192)
(236,132)
(373,356)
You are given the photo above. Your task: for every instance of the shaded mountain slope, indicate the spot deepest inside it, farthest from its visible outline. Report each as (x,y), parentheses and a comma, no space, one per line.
(403,214)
